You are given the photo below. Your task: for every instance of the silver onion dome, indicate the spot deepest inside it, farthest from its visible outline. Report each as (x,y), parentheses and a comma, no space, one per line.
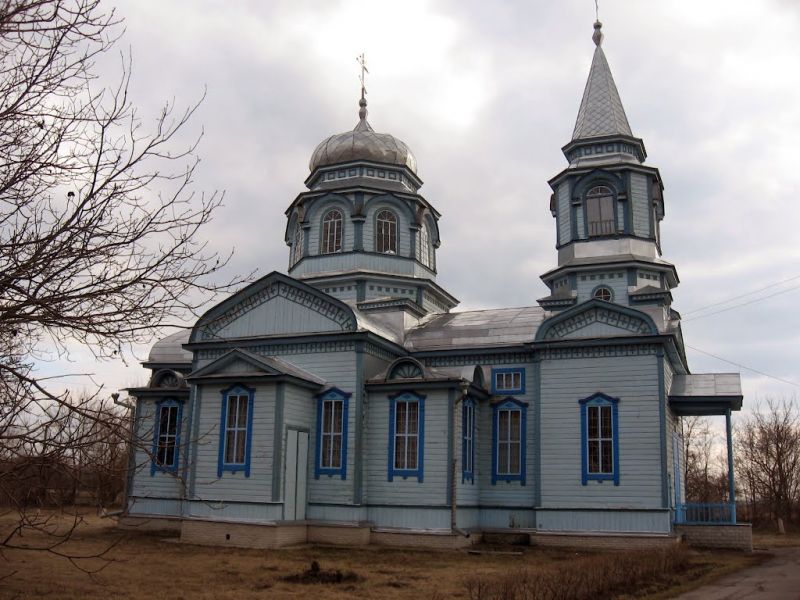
(362,144)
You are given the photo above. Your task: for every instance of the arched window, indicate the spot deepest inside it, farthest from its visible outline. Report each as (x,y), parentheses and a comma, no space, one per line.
(603,293)
(425,246)
(386,234)
(332,232)
(297,244)
(600,211)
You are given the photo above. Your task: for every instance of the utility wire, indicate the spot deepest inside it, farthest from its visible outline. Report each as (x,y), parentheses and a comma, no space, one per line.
(766,287)
(726,309)
(741,366)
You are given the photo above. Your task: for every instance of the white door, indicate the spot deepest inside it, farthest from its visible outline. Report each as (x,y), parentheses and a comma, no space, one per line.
(294,506)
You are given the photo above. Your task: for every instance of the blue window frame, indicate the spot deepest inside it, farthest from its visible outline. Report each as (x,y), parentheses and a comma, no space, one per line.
(508,381)
(166,436)
(599,439)
(236,430)
(468,441)
(406,435)
(509,425)
(331,454)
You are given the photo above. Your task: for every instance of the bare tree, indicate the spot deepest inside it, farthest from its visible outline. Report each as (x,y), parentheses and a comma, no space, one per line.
(767,446)
(703,477)
(99,227)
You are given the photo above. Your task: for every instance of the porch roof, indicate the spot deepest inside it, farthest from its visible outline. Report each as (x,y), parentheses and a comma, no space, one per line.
(705,394)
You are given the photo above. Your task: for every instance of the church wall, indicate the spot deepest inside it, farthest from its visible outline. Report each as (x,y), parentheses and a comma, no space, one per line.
(433,489)
(632,379)
(640,205)
(234,487)
(506,493)
(563,210)
(615,280)
(160,484)
(321,206)
(466,491)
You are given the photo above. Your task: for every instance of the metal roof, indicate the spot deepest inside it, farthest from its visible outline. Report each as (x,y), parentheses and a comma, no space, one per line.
(476,329)
(601,112)
(169,350)
(706,384)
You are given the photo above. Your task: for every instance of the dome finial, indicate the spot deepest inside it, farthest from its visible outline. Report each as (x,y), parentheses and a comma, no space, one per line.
(362,113)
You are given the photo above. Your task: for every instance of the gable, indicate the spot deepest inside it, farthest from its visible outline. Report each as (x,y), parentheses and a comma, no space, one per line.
(275,305)
(596,319)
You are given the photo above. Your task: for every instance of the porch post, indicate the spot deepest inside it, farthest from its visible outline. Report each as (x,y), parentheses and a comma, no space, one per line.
(731,485)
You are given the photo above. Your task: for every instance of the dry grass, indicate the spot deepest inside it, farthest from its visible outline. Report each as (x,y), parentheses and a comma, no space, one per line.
(766,538)
(146,565)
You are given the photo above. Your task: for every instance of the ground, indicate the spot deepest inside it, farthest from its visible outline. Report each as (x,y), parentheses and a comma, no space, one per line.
(142,565)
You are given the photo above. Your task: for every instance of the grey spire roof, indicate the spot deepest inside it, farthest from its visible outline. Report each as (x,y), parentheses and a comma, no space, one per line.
(601,112)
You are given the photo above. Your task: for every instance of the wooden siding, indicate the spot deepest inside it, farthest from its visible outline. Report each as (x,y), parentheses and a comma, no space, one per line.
(640,205)
(596,329)
(632,379)
(563,214)
(656,521)
(160,484)
(278,315)
(368,261)
(433,489)
(467,492)
(236,511)
(506,493)
(618,286)
(234,487)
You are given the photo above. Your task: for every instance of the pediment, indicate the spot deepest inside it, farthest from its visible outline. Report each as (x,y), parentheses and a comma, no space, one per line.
(596,319)
(274,305)
(240,363)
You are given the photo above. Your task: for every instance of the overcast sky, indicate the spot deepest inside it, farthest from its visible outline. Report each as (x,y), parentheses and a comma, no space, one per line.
(486,94)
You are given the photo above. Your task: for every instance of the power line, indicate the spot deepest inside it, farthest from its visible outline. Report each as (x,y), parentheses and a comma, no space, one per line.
(726,309)
(766,287)
(746,368)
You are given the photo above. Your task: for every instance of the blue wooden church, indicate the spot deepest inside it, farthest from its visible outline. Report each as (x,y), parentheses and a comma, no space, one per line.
(348,402)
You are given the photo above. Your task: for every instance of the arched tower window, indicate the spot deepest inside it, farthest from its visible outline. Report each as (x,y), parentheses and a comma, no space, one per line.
(386,234)
(425,246)
(332,232)
(297,244)
(600,211)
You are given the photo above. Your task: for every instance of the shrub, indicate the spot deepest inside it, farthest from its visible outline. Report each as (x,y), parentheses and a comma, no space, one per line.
(591,577)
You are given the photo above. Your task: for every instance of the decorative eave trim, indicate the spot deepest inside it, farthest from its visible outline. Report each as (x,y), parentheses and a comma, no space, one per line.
(396,303)
(577,171)
(603,139)
(410,385)
(148,392)
(594,305)
(557,303)
(611,264)
(356,162)
(362,188)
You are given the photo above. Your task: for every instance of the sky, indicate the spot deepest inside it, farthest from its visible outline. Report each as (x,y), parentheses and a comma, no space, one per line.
(486,94)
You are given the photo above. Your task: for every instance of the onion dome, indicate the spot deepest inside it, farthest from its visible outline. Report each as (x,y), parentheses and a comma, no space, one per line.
(362,144)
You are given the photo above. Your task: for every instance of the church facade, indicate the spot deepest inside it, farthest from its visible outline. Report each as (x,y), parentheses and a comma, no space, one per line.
(348,402)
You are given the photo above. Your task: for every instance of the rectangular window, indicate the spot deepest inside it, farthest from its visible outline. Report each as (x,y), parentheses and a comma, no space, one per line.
(166,436)
(331,458)
(236,424)
(468,442)
(406,426)
(508,381)
(508,452)
(599,443)
(236,429)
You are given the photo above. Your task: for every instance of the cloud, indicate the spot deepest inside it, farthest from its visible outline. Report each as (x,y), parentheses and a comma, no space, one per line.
(486,94)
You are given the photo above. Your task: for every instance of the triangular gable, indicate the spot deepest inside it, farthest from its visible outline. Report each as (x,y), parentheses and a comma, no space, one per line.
(274,305)
(596,319)
(239,362)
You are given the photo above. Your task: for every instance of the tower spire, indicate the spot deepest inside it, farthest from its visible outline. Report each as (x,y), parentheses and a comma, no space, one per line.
(601,112)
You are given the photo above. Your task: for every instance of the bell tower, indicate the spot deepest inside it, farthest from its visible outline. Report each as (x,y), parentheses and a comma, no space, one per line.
(608,206)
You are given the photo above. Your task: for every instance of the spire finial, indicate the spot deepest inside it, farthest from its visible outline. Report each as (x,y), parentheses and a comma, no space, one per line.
(362,113)
(597,36)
